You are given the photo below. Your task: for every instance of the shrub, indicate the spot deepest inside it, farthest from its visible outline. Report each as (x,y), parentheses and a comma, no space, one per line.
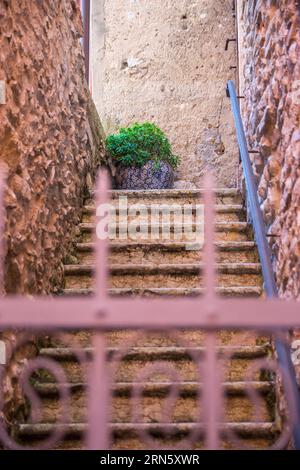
(139,143)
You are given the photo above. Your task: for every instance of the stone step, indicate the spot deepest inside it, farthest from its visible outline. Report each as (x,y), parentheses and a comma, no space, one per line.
(266,430)
(219,227)
(223,212)
(187,339)
(186,389)
(237,405)
(119,247)
(160,353)
(236,359)
(225,231)
(167,252)
(243,291)
(155,278)
(89,209)
(228,195)
(166,275)
(164,269)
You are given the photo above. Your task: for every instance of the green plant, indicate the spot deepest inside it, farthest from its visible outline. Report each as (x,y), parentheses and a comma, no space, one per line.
(139,143)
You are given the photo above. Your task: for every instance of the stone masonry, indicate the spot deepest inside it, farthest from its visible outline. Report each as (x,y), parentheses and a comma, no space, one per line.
(50,137)
(271,83)
(50,145)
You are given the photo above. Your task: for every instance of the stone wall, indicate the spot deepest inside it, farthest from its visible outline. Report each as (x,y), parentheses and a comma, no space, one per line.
(164,61)
(50,142)
(271,111)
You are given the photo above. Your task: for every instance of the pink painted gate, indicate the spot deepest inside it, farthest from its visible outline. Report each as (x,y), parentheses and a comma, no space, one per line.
(102,313)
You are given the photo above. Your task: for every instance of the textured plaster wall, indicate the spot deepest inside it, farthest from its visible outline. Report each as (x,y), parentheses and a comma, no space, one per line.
(271,82)
(50,142)
(164,61)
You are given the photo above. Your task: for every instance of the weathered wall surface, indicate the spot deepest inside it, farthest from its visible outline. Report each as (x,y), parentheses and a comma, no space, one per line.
(164,61)
(272,118)
(49,137)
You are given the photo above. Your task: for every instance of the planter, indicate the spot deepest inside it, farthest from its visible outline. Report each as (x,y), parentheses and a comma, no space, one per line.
(146,177)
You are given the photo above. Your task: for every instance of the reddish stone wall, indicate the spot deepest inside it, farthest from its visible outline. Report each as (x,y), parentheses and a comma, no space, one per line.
(271,50)
(50,141)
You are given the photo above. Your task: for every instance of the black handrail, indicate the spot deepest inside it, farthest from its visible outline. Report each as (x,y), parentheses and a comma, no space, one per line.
(282,349)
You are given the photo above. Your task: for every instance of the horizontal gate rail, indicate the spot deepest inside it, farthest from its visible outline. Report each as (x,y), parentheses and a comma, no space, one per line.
(163,313)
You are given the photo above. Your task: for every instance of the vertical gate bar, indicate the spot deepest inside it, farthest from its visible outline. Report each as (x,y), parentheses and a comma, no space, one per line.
(99,389)
(209,236)
(98,398)
(212,398)
(2,218)
(101,274)
(212,387)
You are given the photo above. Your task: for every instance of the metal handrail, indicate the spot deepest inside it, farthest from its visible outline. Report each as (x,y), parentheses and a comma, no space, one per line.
(282,349)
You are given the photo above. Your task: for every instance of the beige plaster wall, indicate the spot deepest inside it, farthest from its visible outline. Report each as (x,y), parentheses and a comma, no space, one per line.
(164,61)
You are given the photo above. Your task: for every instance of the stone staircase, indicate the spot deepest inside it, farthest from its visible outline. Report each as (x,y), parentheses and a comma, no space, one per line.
(153,268)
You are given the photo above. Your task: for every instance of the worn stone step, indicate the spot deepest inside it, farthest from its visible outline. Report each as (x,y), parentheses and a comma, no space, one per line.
(184,338)
(245,430)
(176,193)
(123,269)
(161,353)
(223,195)
(219,227)
(223,212)
(168,251)
(244,291)
(167,275)
(237,405)
(119,247)
(225,231)
(236,361)
(130,282)
(186,389)
(219,208)
(172,280)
